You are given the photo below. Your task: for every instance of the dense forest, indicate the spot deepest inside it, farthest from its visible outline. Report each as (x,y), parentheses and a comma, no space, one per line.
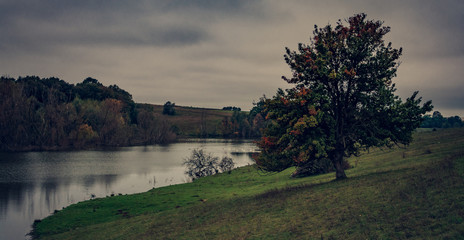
(37,114)
(51,114)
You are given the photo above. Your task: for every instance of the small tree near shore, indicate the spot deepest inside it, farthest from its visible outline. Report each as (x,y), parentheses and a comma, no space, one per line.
(201,164)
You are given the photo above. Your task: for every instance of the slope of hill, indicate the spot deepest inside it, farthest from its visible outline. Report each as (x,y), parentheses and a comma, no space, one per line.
(195,122)
(413,192)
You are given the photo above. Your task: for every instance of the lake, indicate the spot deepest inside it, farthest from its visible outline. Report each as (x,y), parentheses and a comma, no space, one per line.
(35,184)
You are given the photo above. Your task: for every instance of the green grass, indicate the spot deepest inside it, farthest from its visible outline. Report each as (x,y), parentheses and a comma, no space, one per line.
(415,192)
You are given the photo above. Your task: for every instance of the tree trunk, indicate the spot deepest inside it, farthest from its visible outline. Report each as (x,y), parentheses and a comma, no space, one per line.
(338,163)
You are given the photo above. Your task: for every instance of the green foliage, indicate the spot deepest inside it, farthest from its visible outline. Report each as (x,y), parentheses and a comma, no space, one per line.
(295,136)
(343,101)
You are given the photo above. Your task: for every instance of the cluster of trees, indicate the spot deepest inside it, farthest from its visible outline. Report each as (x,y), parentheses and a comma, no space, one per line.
(230,108)
(169,108)
(343,101)
(243,124)
(49,113)
(436,120)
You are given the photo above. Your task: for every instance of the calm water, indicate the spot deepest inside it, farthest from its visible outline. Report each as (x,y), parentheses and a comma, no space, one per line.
(34,184)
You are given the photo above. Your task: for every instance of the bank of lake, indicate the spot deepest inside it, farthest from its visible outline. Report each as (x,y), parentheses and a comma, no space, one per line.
(412,192)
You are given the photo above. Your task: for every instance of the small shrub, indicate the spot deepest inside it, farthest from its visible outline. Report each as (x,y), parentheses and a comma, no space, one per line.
(226,164)
(201,164)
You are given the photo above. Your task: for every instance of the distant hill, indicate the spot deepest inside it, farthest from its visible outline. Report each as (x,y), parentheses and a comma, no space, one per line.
(195,121)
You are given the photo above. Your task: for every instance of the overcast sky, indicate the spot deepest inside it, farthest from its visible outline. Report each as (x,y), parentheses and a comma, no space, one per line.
(216,53)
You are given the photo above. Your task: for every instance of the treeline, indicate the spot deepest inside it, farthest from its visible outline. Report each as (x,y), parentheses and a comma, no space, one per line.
(243,124)
(436,120)
(189,122)
(49,113)
(230,108)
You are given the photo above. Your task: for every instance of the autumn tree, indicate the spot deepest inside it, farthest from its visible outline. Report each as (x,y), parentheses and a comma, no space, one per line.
(147,124)
(343,100)
(112,123)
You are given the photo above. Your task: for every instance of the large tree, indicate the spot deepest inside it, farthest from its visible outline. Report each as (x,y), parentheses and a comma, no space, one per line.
(343,100)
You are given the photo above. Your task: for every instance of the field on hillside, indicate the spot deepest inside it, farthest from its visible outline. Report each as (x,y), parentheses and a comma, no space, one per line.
(190,121)
(413,192)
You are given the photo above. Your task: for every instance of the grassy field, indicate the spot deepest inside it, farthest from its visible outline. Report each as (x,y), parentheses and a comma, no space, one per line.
(415,192)
(190,120)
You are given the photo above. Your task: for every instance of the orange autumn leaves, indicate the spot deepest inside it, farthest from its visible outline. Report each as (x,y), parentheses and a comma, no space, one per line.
(296,116)
(351,73)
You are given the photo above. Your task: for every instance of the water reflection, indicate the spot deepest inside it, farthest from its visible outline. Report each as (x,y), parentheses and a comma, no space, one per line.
(12,193)
(35,184)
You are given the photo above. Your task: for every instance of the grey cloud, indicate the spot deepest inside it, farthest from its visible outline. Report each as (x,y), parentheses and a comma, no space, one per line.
(161,37)
(59,23)
(433,28)
(446,97)
(217,5)
(48,24)
(215,52)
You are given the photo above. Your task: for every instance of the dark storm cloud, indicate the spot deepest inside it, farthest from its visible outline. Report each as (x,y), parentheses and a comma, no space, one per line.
(32,25)
(435,27)
(224,6)
(44,40)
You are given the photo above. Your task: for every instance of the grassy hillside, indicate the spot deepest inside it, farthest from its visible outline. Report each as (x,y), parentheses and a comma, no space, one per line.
(190,120)
(415,192)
